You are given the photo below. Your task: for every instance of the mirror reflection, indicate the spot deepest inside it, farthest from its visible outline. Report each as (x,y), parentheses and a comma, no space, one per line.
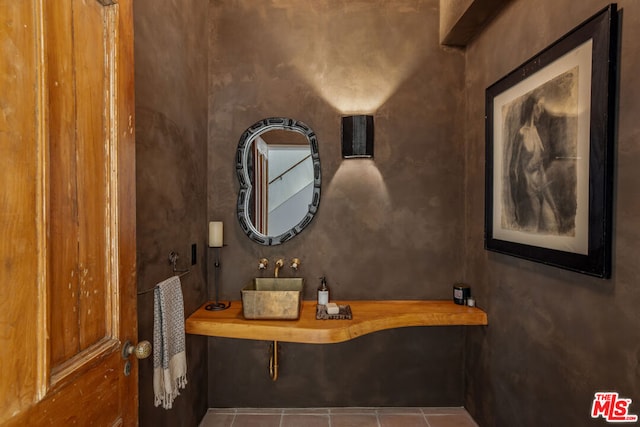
(279,172)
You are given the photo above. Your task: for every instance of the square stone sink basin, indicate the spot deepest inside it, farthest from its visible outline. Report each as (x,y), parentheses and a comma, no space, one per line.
(272,298)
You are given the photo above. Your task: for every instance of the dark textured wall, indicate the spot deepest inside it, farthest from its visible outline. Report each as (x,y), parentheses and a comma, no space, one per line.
(391,228)
(171,134)
(555,337)
(399,367)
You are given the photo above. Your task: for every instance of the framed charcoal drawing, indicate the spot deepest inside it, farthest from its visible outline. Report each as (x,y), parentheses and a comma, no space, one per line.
(549,152)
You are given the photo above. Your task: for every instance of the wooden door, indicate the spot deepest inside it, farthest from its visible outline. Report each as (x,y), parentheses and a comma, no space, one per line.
(67,252)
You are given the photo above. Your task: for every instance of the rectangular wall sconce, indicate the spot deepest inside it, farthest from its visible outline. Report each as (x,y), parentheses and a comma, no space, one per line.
(357,136)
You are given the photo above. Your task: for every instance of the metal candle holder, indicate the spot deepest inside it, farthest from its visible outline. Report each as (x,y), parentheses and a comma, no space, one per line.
(217,305)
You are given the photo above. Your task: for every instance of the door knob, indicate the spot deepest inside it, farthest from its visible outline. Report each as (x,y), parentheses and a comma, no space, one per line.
(141,351)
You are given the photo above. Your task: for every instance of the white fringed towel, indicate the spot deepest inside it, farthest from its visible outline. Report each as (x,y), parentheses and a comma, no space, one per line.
(169,356)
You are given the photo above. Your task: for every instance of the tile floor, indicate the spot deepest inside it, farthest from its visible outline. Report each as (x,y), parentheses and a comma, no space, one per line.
(338,417)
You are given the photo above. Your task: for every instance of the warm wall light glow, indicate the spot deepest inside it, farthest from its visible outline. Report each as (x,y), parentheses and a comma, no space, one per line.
(355,56)
(362,183)
(354,87)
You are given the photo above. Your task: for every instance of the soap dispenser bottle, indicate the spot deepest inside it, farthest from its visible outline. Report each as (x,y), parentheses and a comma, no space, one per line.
(323,292)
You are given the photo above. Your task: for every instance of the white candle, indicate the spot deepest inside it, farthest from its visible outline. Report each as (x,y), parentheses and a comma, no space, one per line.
(215,234)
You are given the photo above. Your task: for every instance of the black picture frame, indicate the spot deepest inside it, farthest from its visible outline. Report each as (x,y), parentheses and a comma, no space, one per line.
(550,152)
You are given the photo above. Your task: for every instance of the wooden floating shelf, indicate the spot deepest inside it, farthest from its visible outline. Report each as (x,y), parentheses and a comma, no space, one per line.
(368,317)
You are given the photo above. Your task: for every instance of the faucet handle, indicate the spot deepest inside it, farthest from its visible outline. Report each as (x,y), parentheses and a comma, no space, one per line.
(295,263)
(263,264)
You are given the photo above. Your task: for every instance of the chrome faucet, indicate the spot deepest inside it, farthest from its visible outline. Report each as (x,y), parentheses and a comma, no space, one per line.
(279,264)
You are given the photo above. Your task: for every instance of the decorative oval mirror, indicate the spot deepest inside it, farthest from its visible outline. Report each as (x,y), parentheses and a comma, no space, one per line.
(278,167)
